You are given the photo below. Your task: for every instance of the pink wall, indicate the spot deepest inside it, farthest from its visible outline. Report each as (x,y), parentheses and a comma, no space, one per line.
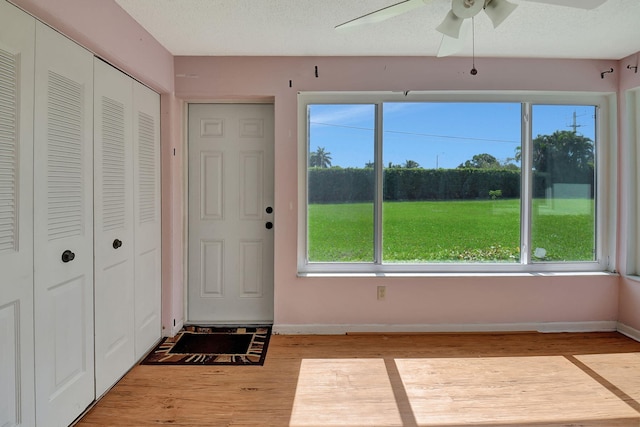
(304,302)
(172,214)
(629,295)
(629,78)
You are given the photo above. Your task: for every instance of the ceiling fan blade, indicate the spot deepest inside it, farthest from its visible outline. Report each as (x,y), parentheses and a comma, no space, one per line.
(499,10)
(580,4)
(452,45)
(449,46)
(384,13)
(451,25)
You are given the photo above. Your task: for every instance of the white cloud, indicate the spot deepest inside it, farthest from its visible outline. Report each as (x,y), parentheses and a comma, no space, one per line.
(343,114)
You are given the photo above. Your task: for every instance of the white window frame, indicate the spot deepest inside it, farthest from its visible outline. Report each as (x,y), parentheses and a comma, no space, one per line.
(605,141)
(632,178)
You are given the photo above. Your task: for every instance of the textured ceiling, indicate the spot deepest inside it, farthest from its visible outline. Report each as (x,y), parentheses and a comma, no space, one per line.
(306,28)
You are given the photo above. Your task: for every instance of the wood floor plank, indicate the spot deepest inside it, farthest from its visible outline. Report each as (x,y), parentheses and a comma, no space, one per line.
(394,380)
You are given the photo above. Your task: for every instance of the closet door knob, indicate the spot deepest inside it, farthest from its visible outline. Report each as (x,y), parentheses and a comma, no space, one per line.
(117,243)
(269,225)
(68,256)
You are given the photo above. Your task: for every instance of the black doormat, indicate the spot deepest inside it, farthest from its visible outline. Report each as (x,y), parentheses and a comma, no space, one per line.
(208,345)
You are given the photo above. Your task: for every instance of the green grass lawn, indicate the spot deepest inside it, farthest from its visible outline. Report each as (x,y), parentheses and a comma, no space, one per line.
(449,231)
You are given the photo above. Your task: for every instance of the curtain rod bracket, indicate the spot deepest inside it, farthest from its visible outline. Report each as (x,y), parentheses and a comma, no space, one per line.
(605,72)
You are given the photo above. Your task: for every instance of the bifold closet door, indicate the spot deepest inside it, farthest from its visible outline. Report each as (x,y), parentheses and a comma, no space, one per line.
(63,229)
(146,153)
(113,216)
(17,34)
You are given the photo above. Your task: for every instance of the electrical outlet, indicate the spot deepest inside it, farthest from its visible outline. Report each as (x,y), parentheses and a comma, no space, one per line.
(382,292)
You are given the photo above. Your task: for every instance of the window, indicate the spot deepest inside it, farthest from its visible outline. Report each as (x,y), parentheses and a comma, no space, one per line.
(563,221)
(451,184)
(341,198)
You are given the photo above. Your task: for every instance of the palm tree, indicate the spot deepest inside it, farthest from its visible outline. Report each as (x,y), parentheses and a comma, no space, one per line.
(564,154)
(320,158)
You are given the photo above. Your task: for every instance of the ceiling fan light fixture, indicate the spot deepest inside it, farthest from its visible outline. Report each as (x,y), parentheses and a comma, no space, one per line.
(498,10)
(451,25)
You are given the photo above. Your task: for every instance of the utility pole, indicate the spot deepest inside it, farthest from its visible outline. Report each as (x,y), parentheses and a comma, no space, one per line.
(575,124)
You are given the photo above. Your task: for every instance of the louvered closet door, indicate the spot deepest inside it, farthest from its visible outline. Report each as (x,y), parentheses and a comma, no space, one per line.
(113,216)
(17,32)
(63,231)
(146,131)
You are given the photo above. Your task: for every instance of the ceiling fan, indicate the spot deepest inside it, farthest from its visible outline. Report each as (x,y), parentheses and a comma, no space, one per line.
(455,25)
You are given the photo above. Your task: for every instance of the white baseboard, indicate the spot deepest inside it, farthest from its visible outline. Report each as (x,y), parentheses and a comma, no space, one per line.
(629,331)
(175,329)
(328,329)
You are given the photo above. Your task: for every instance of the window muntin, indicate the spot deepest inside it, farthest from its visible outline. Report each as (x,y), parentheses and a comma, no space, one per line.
(384,105)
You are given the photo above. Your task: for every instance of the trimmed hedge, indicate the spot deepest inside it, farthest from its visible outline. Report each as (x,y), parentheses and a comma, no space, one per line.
(449,184)
(338,185)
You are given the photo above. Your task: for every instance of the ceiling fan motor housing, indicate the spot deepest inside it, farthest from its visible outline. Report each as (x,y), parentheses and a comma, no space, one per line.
(467,8)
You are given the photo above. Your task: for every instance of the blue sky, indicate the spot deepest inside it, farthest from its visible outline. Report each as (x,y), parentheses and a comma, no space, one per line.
(435,134)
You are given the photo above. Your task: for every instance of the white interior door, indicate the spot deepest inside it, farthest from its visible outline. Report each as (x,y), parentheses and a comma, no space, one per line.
(113,227)
(230,213)
(17,34)
(63,229)
(146,155)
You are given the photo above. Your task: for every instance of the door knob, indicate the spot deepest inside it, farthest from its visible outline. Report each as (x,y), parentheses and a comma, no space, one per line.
(269,209)
(117,243)
(68,256)
(269,225)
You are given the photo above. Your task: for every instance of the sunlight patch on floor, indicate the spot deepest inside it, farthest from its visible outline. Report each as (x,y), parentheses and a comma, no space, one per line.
(621,370)
(507,390)
(487,391)
(344,392)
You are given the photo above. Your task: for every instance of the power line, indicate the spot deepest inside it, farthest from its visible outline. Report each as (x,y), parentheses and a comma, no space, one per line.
(419,134)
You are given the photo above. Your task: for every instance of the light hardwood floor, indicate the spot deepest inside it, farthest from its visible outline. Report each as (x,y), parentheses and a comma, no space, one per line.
(526,379)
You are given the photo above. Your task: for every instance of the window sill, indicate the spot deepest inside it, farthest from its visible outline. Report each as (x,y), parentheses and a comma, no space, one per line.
(632,277)
(477,274)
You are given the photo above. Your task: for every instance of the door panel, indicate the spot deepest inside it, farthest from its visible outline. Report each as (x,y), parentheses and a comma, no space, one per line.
(230,187)
(212,267)
(146,157)
(251,191)
(63,229)
(17,394)
(11,367)
(113,215)
(211,185)
(67,325)
(251,269)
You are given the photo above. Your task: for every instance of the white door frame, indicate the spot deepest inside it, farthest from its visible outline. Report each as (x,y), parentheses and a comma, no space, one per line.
(178,324)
